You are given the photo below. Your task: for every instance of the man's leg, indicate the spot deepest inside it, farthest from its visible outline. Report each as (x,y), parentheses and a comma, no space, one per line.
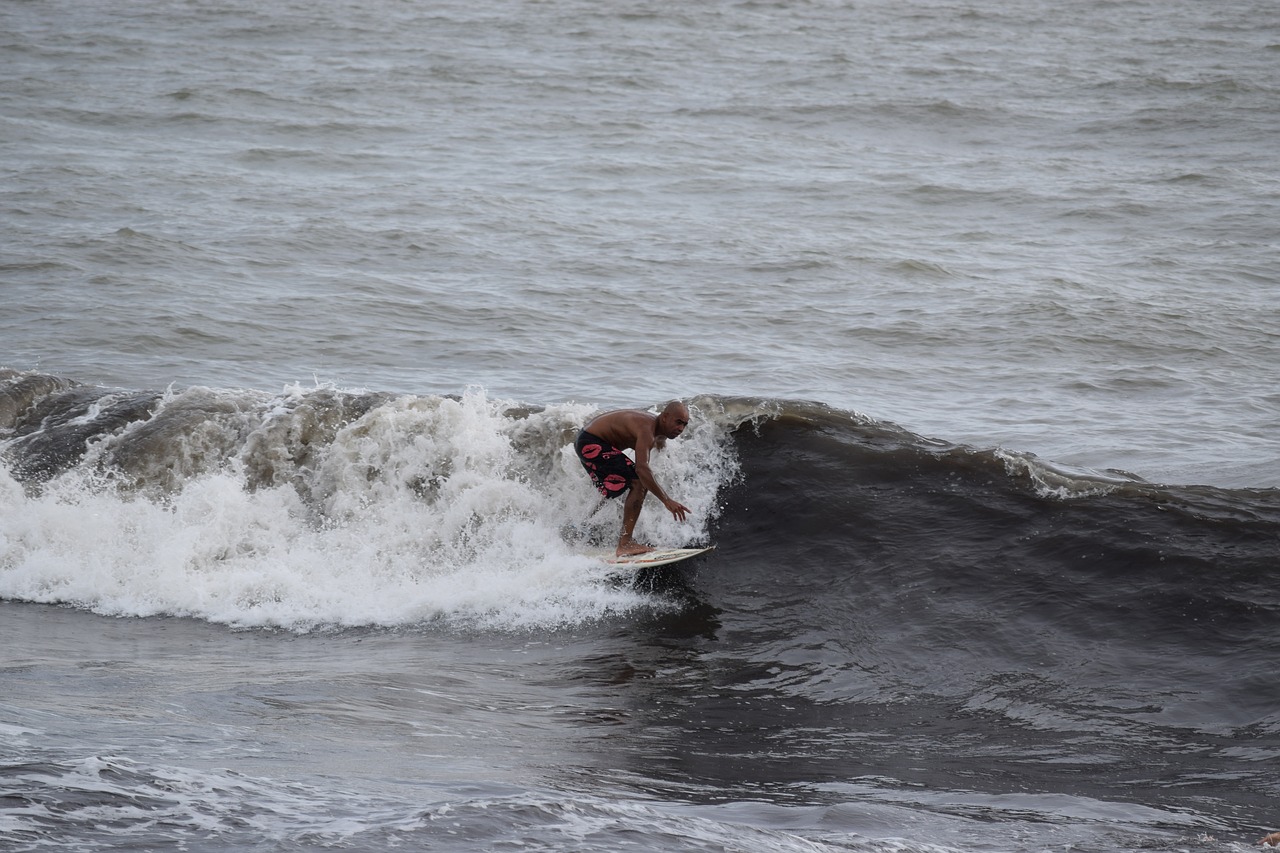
(630,514)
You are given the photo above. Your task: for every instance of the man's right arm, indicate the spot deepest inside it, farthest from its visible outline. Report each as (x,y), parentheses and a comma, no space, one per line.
(644,443)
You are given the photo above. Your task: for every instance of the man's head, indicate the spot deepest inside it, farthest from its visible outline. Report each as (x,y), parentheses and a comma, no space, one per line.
(673,420)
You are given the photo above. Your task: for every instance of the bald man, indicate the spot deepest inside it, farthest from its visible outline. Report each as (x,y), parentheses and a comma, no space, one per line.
(600,446)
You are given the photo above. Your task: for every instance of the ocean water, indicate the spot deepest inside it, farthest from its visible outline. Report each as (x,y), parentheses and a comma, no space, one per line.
(301,305)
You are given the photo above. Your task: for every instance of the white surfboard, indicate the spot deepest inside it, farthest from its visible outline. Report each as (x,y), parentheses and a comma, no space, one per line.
(659,557)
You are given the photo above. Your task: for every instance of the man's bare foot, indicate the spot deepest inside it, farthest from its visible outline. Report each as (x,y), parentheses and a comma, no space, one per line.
(630,548)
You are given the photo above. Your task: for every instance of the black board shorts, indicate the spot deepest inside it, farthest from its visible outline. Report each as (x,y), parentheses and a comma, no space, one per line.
(610,469)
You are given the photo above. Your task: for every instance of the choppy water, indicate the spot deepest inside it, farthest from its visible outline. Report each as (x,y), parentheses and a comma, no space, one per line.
(302,303)
(1042,226)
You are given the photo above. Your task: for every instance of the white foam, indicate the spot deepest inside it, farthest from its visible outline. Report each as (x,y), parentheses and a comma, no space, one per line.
(1062,482)
(421,510)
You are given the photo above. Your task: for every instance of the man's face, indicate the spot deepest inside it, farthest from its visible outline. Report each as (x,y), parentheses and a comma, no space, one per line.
(676,421)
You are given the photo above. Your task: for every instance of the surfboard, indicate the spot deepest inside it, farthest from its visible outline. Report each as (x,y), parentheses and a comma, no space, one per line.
(660,557)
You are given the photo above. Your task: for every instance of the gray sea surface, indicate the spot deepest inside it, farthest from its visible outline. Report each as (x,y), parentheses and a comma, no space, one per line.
(1049,227)
(1031,230)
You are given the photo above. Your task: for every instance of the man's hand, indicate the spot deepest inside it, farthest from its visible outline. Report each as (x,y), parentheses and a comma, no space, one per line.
(1273,839)
(678,509)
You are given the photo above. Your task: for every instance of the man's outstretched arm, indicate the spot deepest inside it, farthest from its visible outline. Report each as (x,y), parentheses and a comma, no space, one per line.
(643,445)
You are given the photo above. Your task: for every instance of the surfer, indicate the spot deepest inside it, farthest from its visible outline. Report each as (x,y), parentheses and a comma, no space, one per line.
(600,446)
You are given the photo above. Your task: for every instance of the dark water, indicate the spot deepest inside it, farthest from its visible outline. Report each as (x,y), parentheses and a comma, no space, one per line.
(1032,642)
(898,644)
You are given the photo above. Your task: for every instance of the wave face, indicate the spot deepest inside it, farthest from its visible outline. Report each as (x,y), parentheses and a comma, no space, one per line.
(966,539)
(345,487)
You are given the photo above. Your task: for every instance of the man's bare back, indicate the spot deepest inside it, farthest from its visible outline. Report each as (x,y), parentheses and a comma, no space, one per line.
(642,432)
(626,428)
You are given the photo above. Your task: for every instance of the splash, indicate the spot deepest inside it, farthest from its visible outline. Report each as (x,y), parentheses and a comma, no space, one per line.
(323,508)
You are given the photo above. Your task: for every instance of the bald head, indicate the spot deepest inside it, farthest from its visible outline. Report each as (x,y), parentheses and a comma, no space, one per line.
(673,420)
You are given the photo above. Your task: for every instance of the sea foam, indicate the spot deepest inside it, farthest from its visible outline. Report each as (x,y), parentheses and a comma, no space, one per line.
(301,511)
